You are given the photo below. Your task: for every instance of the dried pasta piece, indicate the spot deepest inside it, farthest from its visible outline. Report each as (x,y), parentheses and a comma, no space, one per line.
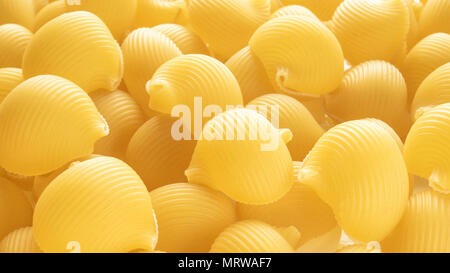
(294,10)
(19,241)
(434,17)
(87,53)
(185,39)
(424,228)
(19,12)
(39,4)
(324,9)
(190,216)
(102,206)
(251,236)
(275,5)
(46,122)
(357,168)
(372,247)
(300,55)
(241,154)
(9,79)
(14,39)
(155,12)
(49,12)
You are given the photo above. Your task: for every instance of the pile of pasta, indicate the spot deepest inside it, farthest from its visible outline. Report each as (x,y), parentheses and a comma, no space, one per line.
(89,161)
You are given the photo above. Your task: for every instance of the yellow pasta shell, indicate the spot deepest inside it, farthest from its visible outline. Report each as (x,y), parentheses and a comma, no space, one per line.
(294,10)
(293,115)
(434,17)
(316,106)
(124,117)
(190,217)
(13,41)
(360,248)
(9,79)
(425,226)
(434,90)
(426,56)
(226,26)
(46,122)
(428,145)
(181,79)
(250,73)
(39,4)
(324,9)
(87,53)
(49,12)
(144,50)
(250,236)
(357,168)
(275,5)
(19,241)
(19,12)
(413,34)
(371,30)
(300,207)
(156,156)
(15,209)
(118,15)
(186,40)
(155,12)
(102,205)
(300,55)
(254,166)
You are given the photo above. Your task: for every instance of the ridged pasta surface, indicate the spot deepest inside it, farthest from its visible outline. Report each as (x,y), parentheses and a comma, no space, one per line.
(19,241)
(360,248)
(185,39)
(434,17)
(100,204)
(324,9)
(13,41)
(190,216)
(46,122)
(293,10)
(9,79)
(155,12)
(425,226)
(39,4)
(49,12)
(79,47)
(358,170)
(300,55)
(19,12)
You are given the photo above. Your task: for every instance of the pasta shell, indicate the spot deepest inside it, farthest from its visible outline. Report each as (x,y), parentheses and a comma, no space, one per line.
(373,89)
(15,210)
(144,50)
(19,12)
(190,216)
(316,107)
(39,4)
(182,79)
(46,122)
(324,9)
(155,12)
(49,12)
(118,15)
(250,236)
(427,147)
(250,73)
(19,241)
(226,26)
(254,166)
(124,117)
(186,40)
(156,156)
(371,30)
(300,207)
(434,17)
(13,41)
(413,34)
(300,55)
(358,170)
(434,90)
(373,247)
(275,5)
(290,114)
(424,227)
(87,53)
(426,56)
(9,79)
(294,10)
(103,206)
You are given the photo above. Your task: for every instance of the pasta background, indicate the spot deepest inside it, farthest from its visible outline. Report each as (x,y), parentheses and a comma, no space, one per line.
(13,41)
(9,79)
(19,12)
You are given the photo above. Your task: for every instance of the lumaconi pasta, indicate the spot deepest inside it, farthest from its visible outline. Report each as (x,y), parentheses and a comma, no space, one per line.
(324,9)
(19,241)
(46,122)
(144,50)
(186,40)
(181,79)
(9,79)
(156,156)
(87,53)
(254,166)
(15,209)
(13,41)
(293,10)
(275,5)
(371,30)
(434,17)
(190,216)
(427,147)
(316,106)
(424,227)
(302,208)
(294,116)
(49,12)
(124,117)
(358,170)
(413,33)
(103,206)
(155,12)
(434,90)
(251,236)
(212,21)
(39,4)
(250,73)
(372,247)
(19,12)
(300,55)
